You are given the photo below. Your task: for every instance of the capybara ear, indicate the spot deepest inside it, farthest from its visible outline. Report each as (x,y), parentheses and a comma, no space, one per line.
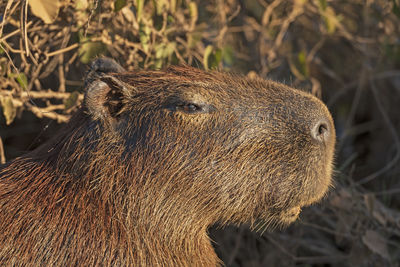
(105,94)
(105,97)
(106,65)
(102,66)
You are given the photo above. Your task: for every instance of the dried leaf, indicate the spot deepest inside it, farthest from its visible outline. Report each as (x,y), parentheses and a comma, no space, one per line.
(252,75)
(128,15)
(343,226)
(376,243)
(47,10)
(81,12)
(359,255)
(380,217)
(299,3)
(9,110)
(342,200)
(383,214)
(172,6)
(369,201)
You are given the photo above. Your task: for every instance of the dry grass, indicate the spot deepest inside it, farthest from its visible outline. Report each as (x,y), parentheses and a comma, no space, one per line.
(348,52)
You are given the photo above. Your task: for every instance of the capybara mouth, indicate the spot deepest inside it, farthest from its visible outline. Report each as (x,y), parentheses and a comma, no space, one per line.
(291,215)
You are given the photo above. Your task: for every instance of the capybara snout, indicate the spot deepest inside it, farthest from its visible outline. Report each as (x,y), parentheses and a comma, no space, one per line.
(152,159)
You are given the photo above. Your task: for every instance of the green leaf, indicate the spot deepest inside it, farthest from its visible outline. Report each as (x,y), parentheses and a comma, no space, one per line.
(164,50)
(330,20)
(119,4)
(207,53)
(254,8)
(71,100)
(139,9)
(329,16)
(20,78)
(81,4)
(193,12)
(89,50)
(160,5)
(163,53)
(228,55)
(298,65)
(144,36)
(322,4)
(392,52)
(169,49)
(396,8)
(170,19)
(159,50)
(193,38)
(212,57)
(9,110)
(302,60)
(216,58)
(3,68)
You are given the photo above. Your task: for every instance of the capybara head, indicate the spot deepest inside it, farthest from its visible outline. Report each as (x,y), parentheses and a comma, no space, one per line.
(229,148)
(172,152)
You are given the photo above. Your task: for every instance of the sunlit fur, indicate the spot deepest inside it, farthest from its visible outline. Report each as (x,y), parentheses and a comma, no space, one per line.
(130,182)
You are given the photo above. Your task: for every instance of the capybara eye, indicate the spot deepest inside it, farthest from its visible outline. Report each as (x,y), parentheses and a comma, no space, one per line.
(189,107)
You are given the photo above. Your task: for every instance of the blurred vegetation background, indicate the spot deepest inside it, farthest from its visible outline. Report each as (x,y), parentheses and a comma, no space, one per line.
(345,52)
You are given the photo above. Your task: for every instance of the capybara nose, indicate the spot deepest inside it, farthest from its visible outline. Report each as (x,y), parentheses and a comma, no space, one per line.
(321,131)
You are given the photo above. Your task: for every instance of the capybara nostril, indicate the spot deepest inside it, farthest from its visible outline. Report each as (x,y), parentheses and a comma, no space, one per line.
(321,131)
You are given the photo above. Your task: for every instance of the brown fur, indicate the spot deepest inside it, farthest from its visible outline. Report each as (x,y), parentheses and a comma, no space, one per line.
(135,180)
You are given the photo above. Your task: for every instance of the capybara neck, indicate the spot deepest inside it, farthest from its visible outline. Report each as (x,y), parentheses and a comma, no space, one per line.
(87,200)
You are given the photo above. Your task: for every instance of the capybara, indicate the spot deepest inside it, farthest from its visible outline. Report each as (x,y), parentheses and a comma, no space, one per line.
(152,159)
